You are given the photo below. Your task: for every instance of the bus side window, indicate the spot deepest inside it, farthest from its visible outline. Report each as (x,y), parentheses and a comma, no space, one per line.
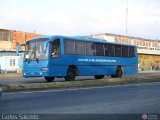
(69,46)
(125,51)
(90,48)
(99,49)
(106,49)
(131,51)
(110,50)
(80,48)
(55,48)
(118,50)
(94,48)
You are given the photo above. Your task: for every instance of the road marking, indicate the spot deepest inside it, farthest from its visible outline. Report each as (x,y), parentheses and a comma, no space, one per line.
(86,88)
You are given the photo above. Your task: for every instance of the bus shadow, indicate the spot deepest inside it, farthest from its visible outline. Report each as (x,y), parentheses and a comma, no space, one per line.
(78,78)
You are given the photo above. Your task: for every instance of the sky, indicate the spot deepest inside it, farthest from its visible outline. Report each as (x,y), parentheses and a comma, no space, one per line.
(82,17)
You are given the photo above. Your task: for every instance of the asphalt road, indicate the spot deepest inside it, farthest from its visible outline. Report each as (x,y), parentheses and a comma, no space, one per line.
(121,99)
(21,80)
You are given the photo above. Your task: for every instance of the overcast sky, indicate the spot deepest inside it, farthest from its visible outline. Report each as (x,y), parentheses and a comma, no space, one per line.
(82,17)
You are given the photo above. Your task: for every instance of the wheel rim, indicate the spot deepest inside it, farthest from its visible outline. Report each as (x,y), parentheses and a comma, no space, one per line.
(71,74)
(119,72)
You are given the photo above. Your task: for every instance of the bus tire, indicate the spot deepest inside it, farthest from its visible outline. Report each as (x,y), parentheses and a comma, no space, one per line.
(70,74)
(99,76)
(49,79)
(119,73)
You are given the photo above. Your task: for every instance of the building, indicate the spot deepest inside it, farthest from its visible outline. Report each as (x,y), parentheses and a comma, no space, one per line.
(9,39)
(148,50)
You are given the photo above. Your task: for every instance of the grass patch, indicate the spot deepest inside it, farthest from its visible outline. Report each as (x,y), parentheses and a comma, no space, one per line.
(79,83)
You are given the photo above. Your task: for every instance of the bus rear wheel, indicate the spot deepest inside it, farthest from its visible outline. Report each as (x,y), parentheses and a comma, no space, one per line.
(70,74)
(49,79)
(119,73)
(99,76)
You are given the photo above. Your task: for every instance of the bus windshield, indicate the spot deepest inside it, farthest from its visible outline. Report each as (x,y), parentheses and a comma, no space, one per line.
(34,50)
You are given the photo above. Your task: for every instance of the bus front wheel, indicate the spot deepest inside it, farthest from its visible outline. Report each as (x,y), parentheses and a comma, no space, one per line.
(49,79)
(70,74)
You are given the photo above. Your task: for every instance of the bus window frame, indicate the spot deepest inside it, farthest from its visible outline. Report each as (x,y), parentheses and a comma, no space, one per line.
(109,49)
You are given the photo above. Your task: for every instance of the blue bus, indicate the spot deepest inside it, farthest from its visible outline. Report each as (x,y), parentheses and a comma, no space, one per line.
(68,57)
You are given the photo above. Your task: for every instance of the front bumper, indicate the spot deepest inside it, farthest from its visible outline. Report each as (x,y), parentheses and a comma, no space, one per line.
(35,73)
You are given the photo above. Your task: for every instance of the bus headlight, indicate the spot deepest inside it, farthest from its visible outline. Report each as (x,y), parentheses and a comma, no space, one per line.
(44,68)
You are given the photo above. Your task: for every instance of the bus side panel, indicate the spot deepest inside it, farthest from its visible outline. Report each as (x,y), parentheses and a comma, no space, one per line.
(91,65)
(127,70)
(58,70)
(96,70)
(105,70)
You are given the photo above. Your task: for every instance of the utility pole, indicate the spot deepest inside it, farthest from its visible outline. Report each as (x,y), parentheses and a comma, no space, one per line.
(126,17)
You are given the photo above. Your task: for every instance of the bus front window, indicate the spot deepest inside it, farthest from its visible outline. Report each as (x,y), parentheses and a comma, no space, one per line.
(56,48)
(34,50)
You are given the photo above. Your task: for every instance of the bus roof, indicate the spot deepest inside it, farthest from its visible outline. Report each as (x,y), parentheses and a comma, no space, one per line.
(80,38)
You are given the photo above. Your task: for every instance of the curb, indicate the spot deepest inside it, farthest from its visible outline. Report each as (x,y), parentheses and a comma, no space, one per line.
(12,75)
(78,84)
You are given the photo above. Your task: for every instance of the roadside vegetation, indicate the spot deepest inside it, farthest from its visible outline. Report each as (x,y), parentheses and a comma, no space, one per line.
(79,83)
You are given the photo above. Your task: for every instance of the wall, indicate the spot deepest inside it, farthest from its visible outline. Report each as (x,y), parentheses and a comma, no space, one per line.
(5,39)
(149,62)
(9,64)
(5,45)
(9,39)
(21,37)
(2,64)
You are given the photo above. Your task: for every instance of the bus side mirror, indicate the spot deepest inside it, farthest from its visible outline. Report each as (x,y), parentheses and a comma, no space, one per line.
(45,46)
(18,47)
